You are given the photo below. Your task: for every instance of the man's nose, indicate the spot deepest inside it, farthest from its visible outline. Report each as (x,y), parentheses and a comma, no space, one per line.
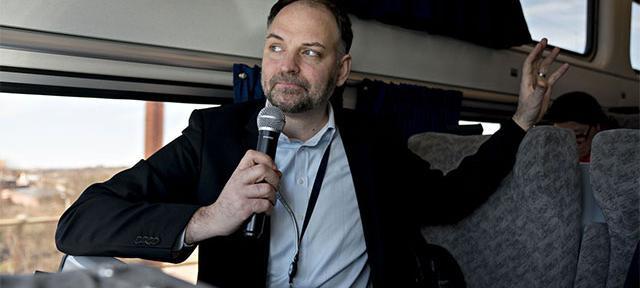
(290,64)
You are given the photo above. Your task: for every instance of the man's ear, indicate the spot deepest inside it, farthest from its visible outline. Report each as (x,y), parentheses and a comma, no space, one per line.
(344,69)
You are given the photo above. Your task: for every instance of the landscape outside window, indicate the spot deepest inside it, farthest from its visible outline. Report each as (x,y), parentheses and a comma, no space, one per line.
(52,148)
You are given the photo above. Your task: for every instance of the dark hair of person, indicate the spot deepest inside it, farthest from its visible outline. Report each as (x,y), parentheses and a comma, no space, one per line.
(339,13)
(577,107)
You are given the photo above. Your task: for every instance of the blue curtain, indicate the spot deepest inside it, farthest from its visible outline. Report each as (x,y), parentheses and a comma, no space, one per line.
(411,109)
(246,83)
(492,23)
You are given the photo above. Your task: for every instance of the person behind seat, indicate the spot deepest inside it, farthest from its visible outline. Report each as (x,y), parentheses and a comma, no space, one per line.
(581,113)
(202,187)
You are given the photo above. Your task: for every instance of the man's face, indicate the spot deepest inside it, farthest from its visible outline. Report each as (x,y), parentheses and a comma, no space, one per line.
(584,134)
(300,61)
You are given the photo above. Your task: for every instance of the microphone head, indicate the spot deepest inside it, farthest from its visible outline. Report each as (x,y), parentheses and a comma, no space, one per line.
(271,118)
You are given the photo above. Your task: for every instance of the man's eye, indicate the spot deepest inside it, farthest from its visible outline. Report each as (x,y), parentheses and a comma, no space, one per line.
(275,48)
(311,53)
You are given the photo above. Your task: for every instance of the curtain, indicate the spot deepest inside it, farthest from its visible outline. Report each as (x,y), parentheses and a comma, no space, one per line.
(411,109)
(492,23)
(246,83)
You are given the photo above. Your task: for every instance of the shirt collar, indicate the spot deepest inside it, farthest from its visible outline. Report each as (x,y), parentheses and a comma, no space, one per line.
(323,135)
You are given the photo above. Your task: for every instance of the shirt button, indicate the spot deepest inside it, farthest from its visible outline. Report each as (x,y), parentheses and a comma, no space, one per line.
(300,181)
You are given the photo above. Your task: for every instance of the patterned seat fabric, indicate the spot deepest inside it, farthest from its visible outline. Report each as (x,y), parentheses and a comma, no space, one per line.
(527,234)
(444,151)
(615,179)
(593,262)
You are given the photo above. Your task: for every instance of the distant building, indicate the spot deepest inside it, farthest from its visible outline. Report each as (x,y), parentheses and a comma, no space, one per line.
(7,180)
(26,197)
(2,165)
(23,180)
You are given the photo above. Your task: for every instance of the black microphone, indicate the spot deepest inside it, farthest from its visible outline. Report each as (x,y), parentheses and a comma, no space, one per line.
(270,123)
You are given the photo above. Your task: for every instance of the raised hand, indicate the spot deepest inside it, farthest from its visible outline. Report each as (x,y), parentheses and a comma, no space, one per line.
(536,85)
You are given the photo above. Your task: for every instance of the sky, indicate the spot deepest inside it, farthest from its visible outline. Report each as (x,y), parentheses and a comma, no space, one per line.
(635,36)
(69,132)
(562,22)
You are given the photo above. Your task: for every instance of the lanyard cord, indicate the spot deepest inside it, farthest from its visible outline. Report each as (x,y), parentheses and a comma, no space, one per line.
(317,184)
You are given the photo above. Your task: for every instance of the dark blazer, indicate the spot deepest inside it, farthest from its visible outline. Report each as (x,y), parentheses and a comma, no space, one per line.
(141,211)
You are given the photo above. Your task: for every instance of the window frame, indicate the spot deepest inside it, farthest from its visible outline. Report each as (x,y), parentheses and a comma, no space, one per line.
(103,83)
(72,84)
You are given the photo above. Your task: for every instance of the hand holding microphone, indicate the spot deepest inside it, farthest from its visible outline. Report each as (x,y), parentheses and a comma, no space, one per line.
(249,193)
(270,124)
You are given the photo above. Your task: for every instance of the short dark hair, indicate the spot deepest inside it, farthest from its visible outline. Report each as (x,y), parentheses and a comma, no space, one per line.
(578,107)
(338,11)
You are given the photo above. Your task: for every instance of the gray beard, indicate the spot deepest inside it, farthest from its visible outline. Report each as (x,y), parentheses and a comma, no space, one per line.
(307,102)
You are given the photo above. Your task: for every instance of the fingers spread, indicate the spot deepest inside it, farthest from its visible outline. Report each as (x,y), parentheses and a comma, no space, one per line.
(533,55)
(558,73)
(541,83)
(532,63)
(544,65)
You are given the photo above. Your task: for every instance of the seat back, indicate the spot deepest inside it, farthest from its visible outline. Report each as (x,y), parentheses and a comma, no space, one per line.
(615,179)
(593,261)
(444,151)
(527,234)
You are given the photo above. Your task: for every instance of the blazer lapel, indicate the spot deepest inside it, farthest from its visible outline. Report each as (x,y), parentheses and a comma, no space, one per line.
(360,157)
(250,137)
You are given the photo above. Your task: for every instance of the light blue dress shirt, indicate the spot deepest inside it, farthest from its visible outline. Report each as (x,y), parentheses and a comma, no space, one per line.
(333,251)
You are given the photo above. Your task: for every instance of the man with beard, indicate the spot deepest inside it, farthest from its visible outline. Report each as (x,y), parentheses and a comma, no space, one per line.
(203,186)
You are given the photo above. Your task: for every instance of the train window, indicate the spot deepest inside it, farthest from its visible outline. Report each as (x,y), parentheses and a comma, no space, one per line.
(635,35)
(52,148)
(176,118)
(564,23)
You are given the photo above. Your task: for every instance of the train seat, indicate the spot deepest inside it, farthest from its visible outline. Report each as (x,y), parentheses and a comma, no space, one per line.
(527,234)
(615,179)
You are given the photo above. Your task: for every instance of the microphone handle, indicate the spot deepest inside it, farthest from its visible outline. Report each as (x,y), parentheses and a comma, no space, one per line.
(267,144)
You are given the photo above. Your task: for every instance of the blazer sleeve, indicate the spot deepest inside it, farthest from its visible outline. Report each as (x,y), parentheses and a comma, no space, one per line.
(140,212)
(451,197)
